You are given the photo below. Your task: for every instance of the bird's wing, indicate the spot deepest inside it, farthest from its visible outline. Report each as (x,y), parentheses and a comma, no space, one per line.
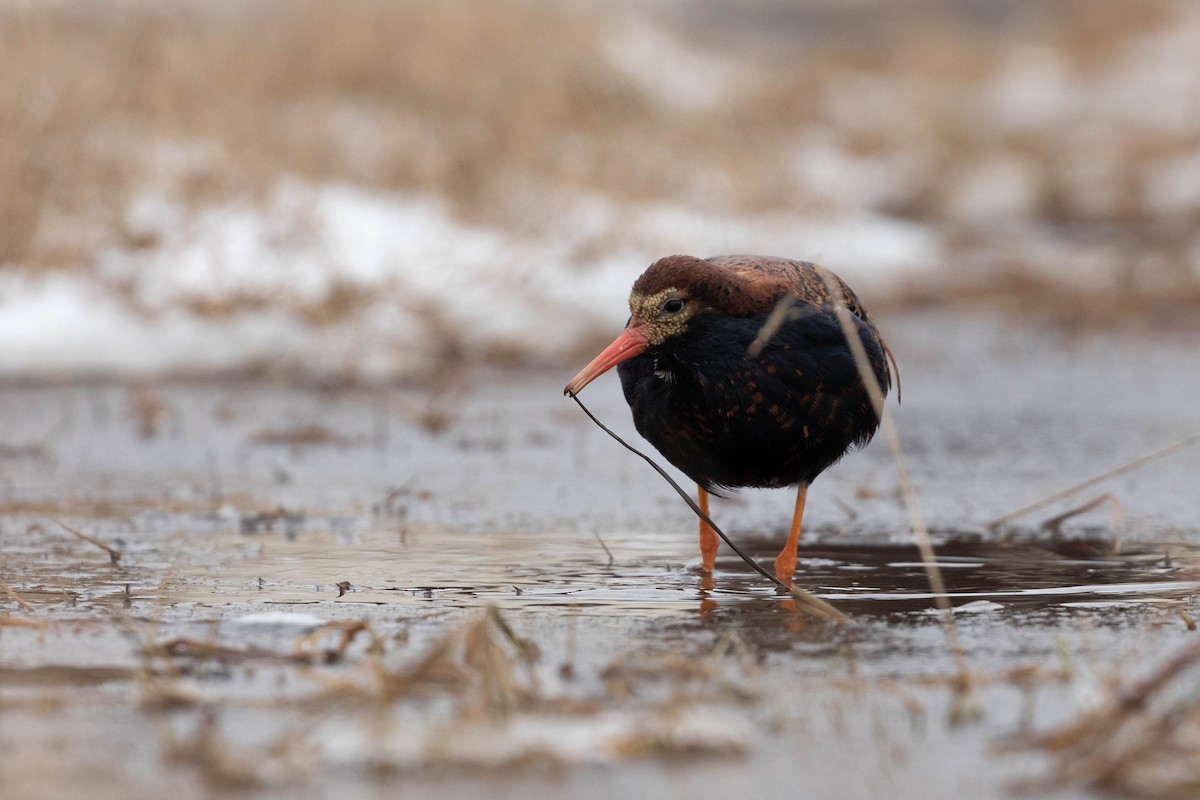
(812,284)
(808,282)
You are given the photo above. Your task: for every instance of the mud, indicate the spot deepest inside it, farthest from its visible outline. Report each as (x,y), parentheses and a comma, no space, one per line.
(520,609)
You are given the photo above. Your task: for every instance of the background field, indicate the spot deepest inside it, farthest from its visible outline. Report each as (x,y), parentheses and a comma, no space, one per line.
(374,188)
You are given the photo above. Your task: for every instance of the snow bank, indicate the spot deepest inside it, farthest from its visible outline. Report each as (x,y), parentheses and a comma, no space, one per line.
(338,280)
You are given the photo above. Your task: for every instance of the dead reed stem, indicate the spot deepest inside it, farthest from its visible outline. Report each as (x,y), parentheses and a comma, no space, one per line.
(917,519)
(113,553)
(1054,524)
(1130,466)
(604,546)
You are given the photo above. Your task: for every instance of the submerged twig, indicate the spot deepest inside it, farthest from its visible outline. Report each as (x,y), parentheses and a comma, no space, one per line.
(113,553)
(607,552)
(198,649)
(804,600)
(1130,466)
(567,668)
(306,646)
(523,648)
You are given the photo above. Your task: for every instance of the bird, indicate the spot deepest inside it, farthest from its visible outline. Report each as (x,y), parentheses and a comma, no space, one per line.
(737,370)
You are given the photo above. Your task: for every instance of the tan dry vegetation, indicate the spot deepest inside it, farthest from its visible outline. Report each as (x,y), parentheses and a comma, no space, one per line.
(1141,740)
(490,102)
(96,100)
(82,507)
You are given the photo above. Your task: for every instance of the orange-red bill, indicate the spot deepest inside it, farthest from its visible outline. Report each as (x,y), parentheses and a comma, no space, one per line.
(630,343)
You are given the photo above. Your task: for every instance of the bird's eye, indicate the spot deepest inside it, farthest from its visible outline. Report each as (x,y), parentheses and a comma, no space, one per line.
(672,306)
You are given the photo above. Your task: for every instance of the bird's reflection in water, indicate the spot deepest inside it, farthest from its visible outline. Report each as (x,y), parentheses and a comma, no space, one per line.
(884,579)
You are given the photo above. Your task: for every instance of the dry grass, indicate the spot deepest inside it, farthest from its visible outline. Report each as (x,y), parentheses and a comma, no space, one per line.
(102,507)
(1142,741)
(98,100)
(489,102)
(300,436)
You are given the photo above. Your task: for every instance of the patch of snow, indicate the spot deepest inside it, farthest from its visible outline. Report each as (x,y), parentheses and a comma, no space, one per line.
(978,607)
(606,737)
(241,285)
(277,622)
(973,607)
(64,324)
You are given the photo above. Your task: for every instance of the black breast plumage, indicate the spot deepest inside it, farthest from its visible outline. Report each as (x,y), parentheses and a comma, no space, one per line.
(729,419)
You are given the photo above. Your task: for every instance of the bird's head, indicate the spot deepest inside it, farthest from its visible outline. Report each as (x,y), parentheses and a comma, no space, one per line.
(663,302)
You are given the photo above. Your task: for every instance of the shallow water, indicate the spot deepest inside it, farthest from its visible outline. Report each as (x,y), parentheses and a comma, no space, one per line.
(236,520)
(818,699)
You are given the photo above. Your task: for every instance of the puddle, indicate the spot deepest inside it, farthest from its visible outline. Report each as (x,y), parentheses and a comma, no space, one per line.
(647,572)
(635,661)
(223,628)
(1017,576)
(624,573)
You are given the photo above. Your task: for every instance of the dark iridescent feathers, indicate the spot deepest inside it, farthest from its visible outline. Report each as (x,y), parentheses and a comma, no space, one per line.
(749,286)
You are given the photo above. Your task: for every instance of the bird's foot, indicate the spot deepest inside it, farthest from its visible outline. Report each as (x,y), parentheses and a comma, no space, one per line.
(785,568)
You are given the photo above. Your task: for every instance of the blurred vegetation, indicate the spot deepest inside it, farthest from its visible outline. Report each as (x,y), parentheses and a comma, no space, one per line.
(1038,152)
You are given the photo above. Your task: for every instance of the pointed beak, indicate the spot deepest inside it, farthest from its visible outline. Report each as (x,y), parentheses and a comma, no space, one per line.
(630,343)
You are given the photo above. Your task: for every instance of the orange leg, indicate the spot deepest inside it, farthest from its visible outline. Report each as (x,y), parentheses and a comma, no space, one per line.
(708,537)
(785,562)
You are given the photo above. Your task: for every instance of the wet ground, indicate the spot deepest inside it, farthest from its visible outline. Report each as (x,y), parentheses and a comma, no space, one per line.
(520,609)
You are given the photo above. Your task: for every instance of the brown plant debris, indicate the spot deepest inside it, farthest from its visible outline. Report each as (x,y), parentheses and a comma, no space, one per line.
(226,766)
(114,554)
(307,649)
(311,435)
(105,507)
(346,631)
(258,521)
(149,410)
(64,676)
(490,668)
(1144,740)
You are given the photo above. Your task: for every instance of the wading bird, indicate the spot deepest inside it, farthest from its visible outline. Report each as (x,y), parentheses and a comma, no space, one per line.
(737,370)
